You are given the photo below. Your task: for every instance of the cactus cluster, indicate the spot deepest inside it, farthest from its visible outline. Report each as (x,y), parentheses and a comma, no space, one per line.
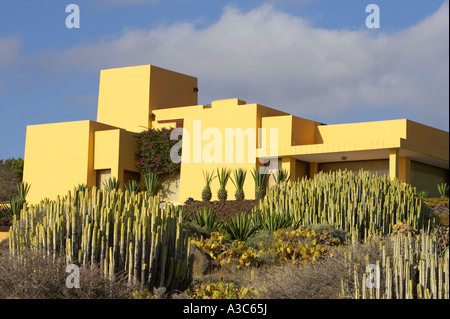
(416,269)
(122,232)
(362,204)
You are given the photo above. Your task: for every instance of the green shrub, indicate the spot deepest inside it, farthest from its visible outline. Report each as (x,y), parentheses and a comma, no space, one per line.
(261,239)
(339,234)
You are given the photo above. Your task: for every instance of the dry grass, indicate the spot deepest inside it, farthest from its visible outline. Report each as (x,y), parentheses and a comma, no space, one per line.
(317,280)
(36,277)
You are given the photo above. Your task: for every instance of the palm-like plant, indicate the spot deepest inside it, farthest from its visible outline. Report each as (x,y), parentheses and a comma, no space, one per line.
(261,182)
(281,176)
(238,181)
(206,192)
(152,182)
(223,175)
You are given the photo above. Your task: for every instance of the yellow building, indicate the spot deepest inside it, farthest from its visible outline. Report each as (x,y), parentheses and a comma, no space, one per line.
(228,133)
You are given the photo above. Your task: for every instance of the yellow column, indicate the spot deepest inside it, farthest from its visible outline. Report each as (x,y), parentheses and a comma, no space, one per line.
(404,169)
(394,163)
(288,163)
(313,169)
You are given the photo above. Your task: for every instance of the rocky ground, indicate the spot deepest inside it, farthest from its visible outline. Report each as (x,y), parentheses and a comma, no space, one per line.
(223,209)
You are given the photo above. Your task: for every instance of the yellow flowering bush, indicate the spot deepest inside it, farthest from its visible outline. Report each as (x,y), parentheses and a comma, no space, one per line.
(403,228)
(298,245)
(221,290)
(218,248)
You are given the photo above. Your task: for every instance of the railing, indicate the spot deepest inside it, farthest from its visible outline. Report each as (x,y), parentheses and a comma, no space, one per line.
(4,205)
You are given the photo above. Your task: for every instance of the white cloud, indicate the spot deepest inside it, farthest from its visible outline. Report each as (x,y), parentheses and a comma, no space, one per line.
(9,51)
(279,60)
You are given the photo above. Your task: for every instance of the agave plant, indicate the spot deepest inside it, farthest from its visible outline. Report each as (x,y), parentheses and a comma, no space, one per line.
(223,175)
(238,181)
(207,217)
(274,221)
(14,207)
(443,189)
(423,194)
(261,182)
(152,182)
(133,186)
(23,189)
(81,188)
(112,184)
(281,176)
(206,192)
(240,227)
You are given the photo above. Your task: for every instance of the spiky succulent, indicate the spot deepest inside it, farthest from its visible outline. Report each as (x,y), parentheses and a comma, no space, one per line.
(223,175)
(238,181)
(206,192)
(281,176)
(261,181)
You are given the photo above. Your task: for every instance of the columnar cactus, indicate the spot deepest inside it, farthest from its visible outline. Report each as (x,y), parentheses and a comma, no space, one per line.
(415,269)
(363,204)
(119,231)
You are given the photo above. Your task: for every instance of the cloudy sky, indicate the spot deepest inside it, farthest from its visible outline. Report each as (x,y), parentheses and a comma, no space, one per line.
(312,58)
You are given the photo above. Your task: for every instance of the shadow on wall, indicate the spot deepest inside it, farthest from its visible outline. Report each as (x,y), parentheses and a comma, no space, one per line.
(170,187)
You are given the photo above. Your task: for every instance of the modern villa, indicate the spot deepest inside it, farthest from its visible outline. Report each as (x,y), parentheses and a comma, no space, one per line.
(228,133)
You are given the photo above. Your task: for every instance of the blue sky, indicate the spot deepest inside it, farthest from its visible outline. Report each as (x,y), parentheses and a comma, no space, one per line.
(313,58)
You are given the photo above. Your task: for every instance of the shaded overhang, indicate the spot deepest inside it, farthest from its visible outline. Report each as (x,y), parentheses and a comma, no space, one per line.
(365,150)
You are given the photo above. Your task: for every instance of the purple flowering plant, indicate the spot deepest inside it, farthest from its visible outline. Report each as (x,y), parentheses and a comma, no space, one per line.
(153,155)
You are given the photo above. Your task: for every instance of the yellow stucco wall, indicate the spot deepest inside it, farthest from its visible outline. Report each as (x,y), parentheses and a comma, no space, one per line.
(360,132)
(124,98)
(127,96)
(222,115)
(58,157)
(171,89)
(115,150)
